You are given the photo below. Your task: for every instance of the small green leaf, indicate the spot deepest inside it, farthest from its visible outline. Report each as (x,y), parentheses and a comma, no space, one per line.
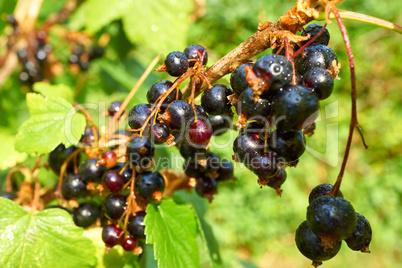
(9,157)
(48,90)
(103,12)
(47,239)
(159,25)
(172,229)
(53,121)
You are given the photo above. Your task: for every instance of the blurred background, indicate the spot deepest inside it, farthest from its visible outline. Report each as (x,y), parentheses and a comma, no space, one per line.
(254,227)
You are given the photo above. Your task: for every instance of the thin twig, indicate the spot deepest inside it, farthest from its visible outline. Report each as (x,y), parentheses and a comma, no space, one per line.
(88,116)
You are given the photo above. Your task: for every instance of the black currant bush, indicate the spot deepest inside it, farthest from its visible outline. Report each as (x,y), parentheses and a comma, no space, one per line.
(159,164)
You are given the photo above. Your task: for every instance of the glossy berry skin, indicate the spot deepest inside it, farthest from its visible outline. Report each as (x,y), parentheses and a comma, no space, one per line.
(278,179)
(361,237)
(313,30)
(215,101)
(112,235)
(275,69)
(321,190)
(176,63)
(195,52)
(91,171)
(321,81)
(220,124)
(158,89)
(254,128)
(192,152)
(114,107)
(114,205)
(109,159)
(59,155)
(263,164)
(192,169)
(225,171)
(254,110)
(73,185)
(136,225)
(315,56)
(113,181)
(159,133)
(96,52)
(140,151)
(288,145)
(206,187)
(295,107)
(138,115)
(85,215)
(331,215)
(200,132)
(246,144)
(129,244)
(238,80)
(89,136)
(127,174)
(309,244)
(148,184)
(181,113)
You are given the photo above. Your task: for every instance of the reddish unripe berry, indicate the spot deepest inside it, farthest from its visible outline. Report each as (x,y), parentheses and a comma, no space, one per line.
(112,235)
(129,244)
(200,132)
(113,181)
(109,159)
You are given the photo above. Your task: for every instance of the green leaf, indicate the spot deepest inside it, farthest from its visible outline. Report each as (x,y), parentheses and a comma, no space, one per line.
(48,90)
(9,157)
(118,72)
(172,229)
(47,239)
(160,25)
(103,12)
(53,121)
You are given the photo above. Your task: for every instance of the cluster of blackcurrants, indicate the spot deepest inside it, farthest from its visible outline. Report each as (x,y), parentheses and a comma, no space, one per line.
(178,122)
(82,58)
(331,219)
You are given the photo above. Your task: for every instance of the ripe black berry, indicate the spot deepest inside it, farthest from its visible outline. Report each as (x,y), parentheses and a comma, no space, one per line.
(192,153)
(313,30)
(192,169)
(138,115)
(275,69)
(90,136)
(225,171)
(206,187)
(150,186)
(212,163)
(59,155)
(73,185)
(288,145)
(91,171)
(332,216)
(114,107)
(176,63)
(157,89)
(180,113)
(113,181)
(220,124)
(321,81)
(238,80)
(159,133)
(277,180)
(114,205)
(96,52)
(200,132)
(254,110)
(195,52)
(263,164)
(112,235)
(361,237)
(315,56)
(321,190)
(246,144)
(85,215)
(215,101)
(294,107)
(309,244)
(136,225)
(140,151)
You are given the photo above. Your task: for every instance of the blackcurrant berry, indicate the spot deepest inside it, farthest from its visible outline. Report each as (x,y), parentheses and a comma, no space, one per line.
(320,80)
(288,145)
(361,237)
(321,190)
(150,186)
(114,107)
(255,110)
(195,52)
(109,159)
(140,151)
(129,244)
(9,195)
(90,136)
(295,107)
(215,101)
(225,171)
(246,144)
(220,124)
(277,180)
(206,187)
(192,153)
(114,205)
(263,164)
(331,215)
(96,52)
(138,115)
(200,132)
(59,155)
(238,80)
(85,215)
(113,181)
(136,226)
(159,88)
(309,244)
(112,235)
(176,63)
(159,133)
(73,185)
(91,171)
(313,30)
(179,114)
(192,169)
(255,128)
(275,69)
(315,56)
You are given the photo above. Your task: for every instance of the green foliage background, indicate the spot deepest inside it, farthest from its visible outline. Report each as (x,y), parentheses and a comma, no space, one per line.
(254,228)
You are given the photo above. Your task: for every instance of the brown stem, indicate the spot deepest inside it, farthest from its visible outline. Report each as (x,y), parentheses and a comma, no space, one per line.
(36,196)
(23,169)
(53,19)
